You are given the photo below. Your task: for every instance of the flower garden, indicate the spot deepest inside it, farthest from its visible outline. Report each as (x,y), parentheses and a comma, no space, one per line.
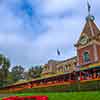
(64,95)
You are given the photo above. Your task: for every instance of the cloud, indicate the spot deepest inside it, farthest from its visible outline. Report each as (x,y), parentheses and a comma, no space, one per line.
(31,31)
(56,6)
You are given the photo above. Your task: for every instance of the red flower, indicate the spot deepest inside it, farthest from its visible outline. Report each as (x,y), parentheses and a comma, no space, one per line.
(26,98)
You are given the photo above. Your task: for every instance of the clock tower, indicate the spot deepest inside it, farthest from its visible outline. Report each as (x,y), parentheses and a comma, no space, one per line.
(88,45)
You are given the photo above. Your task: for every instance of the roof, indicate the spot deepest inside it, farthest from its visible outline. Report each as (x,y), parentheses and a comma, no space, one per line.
(90,29)
(90,26)
(59,62)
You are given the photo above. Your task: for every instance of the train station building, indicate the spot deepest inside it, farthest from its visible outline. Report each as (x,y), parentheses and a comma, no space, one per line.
(88,52)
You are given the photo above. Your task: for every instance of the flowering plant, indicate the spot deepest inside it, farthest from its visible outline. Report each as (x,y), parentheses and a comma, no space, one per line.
(26,98)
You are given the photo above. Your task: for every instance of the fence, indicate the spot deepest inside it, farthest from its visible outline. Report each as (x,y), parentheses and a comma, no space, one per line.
(84,85)
(91,85)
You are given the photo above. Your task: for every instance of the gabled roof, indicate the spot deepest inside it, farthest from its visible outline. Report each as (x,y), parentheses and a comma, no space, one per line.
(90,28)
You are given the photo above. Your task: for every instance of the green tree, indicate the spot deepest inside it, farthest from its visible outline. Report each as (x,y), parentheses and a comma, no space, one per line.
(17,73)
(31,72)
(4,69)
(1,78)
(35,72)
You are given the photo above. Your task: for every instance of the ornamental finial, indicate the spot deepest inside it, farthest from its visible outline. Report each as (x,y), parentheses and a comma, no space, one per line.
(89,17)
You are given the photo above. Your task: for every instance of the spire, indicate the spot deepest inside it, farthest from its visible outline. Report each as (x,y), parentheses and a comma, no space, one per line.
(90,29)
(89,17)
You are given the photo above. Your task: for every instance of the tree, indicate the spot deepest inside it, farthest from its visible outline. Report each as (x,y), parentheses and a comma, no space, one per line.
(17,72)
(35,72)
(4,69)
(31,72)
(10,78)
(1,75)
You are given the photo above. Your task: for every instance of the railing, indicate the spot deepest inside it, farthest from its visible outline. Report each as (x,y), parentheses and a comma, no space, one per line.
(51,84)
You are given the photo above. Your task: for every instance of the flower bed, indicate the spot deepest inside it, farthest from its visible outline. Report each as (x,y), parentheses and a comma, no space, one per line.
(26,98)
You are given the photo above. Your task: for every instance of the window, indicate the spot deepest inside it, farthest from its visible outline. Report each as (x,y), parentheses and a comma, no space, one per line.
(86,57)
(66,67)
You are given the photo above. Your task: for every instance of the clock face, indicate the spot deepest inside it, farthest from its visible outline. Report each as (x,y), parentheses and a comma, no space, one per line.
(83,40)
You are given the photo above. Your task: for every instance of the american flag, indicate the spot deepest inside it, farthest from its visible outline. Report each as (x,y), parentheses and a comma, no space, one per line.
(58,52)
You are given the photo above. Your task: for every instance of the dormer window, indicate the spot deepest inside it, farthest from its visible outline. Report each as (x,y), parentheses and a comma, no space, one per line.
(86,57)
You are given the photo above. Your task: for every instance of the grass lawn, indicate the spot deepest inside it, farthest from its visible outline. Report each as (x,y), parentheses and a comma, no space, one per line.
(66,96)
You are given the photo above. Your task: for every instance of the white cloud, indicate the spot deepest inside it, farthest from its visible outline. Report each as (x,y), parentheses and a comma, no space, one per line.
(57,6)
(25,47)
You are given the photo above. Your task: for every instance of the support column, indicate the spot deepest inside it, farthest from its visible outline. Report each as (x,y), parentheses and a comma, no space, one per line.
(81,76)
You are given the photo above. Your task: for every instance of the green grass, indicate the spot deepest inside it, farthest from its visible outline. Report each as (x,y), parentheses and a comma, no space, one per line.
(66,95)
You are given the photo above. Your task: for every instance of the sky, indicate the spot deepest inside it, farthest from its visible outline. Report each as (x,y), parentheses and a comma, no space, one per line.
(31,31)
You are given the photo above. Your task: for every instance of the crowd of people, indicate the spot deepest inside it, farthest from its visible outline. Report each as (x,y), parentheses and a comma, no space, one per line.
(88,75)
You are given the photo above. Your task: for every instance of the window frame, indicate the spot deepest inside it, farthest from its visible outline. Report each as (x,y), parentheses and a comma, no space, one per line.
(86,56)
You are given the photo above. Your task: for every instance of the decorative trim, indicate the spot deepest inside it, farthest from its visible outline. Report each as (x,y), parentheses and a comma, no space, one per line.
(90,43)
(91,29)
(95,52)
(78,59)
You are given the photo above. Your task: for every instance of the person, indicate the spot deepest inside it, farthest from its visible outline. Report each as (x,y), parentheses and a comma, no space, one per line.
(79,78)
(98,74)
(94,75)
